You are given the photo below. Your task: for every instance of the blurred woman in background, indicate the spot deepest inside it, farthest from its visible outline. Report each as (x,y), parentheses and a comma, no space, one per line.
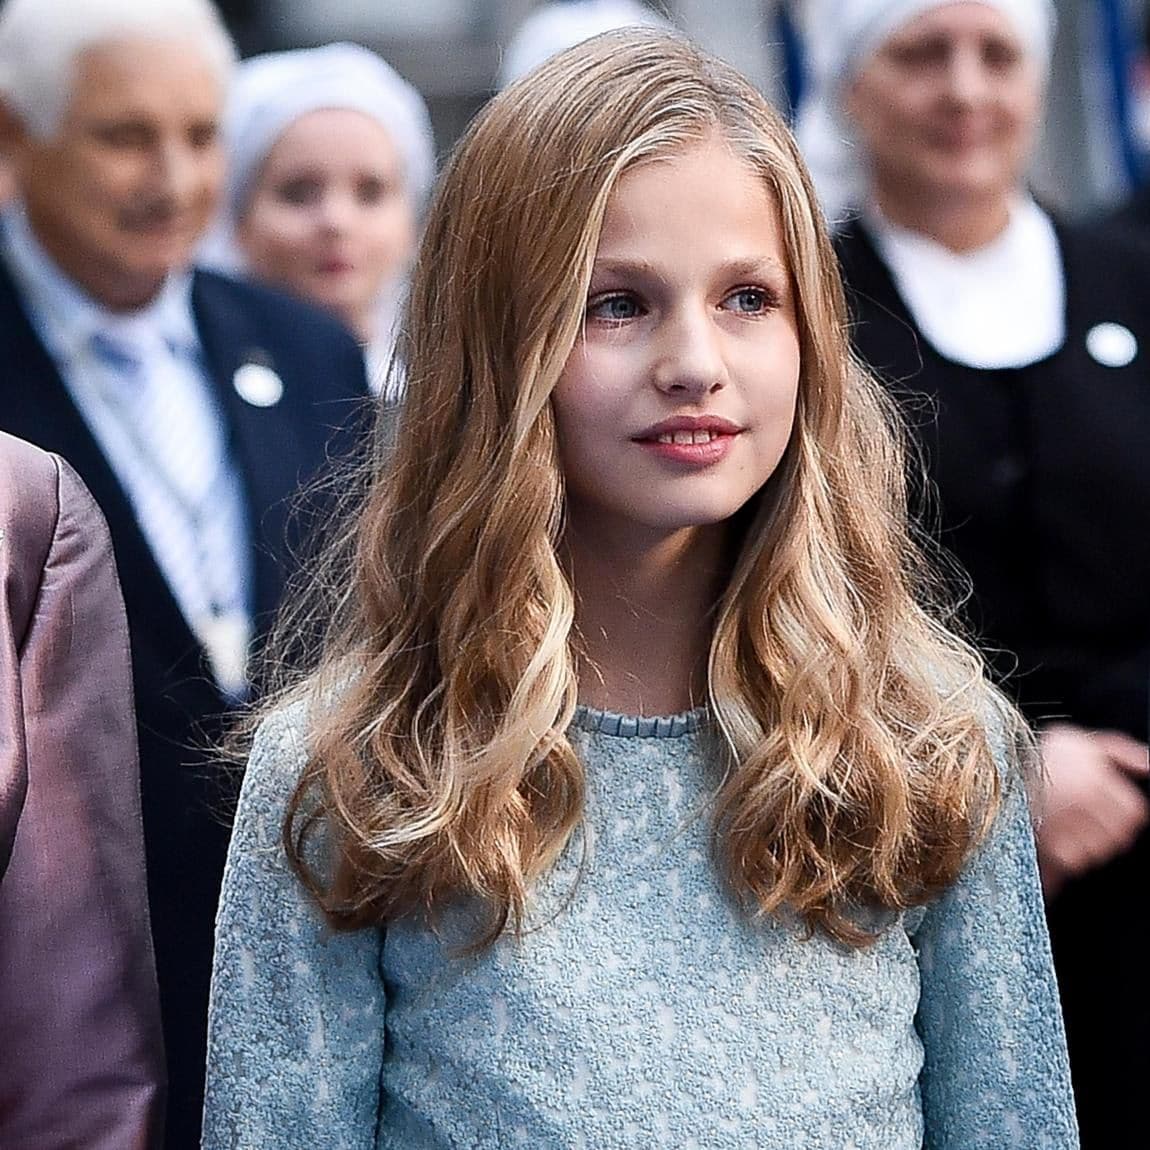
(331,159)
(1021,350)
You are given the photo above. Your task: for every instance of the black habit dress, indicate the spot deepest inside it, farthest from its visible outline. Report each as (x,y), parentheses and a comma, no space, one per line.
(1041,479)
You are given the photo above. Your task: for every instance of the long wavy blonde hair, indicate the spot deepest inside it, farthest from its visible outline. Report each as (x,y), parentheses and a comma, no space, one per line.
(859,768)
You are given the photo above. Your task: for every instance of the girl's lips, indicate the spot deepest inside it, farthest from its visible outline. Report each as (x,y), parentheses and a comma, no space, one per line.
(678,425)
(691,449)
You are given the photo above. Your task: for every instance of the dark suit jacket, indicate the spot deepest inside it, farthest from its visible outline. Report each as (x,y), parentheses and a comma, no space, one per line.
(81,1058)
(186,799)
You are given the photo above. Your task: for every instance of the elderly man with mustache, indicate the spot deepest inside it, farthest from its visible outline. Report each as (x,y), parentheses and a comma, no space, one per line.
(192,406)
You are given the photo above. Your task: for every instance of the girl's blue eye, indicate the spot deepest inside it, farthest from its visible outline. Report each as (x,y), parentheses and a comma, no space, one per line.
(613,307)
(749,301)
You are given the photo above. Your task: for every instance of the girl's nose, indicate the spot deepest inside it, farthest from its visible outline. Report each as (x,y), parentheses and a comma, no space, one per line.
(690,360)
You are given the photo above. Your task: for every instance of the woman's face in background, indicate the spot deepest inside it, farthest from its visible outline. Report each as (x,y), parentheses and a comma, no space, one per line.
(949,105)
(330,217)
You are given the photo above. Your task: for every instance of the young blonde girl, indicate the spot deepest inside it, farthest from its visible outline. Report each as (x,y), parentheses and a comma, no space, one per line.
(636,800)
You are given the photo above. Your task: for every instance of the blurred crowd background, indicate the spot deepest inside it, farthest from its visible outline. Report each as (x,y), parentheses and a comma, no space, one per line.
(1097,136)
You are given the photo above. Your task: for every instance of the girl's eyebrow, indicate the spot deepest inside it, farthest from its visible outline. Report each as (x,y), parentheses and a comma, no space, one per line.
(625,268)
(738,267)
(753,267)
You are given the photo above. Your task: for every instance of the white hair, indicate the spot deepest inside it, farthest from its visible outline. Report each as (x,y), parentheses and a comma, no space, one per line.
(41,40)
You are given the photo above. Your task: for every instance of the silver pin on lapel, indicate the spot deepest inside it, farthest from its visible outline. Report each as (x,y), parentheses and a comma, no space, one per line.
(1111,344)
(257,384)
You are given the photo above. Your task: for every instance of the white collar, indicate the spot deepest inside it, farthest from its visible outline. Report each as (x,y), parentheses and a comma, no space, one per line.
(67,317)
(1000,306)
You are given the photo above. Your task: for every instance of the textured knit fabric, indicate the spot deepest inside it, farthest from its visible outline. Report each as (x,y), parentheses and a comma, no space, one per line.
(642,1008)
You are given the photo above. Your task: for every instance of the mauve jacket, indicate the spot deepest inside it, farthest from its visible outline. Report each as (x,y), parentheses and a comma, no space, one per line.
(81,1054)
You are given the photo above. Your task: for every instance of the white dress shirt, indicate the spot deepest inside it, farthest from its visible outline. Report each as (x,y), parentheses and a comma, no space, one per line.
(140,383)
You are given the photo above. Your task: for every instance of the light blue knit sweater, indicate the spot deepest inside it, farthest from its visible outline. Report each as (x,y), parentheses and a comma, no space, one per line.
(644,1010)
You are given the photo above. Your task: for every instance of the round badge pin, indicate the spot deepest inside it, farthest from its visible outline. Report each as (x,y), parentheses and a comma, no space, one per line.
(258,385)
(1111,344)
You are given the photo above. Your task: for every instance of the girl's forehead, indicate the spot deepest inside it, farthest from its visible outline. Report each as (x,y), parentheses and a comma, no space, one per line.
(705,178)
(704,212)
(663,172)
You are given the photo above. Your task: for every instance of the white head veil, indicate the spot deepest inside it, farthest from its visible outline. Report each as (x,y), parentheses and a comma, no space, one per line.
(271,92)
(840,35)
(555,27)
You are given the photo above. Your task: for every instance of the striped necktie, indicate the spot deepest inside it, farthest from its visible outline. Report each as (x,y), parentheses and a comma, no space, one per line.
(178,454)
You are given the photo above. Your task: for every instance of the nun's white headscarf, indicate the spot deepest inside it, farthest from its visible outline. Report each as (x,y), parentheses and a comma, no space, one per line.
(840,36)
(555,27)
(271,92)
